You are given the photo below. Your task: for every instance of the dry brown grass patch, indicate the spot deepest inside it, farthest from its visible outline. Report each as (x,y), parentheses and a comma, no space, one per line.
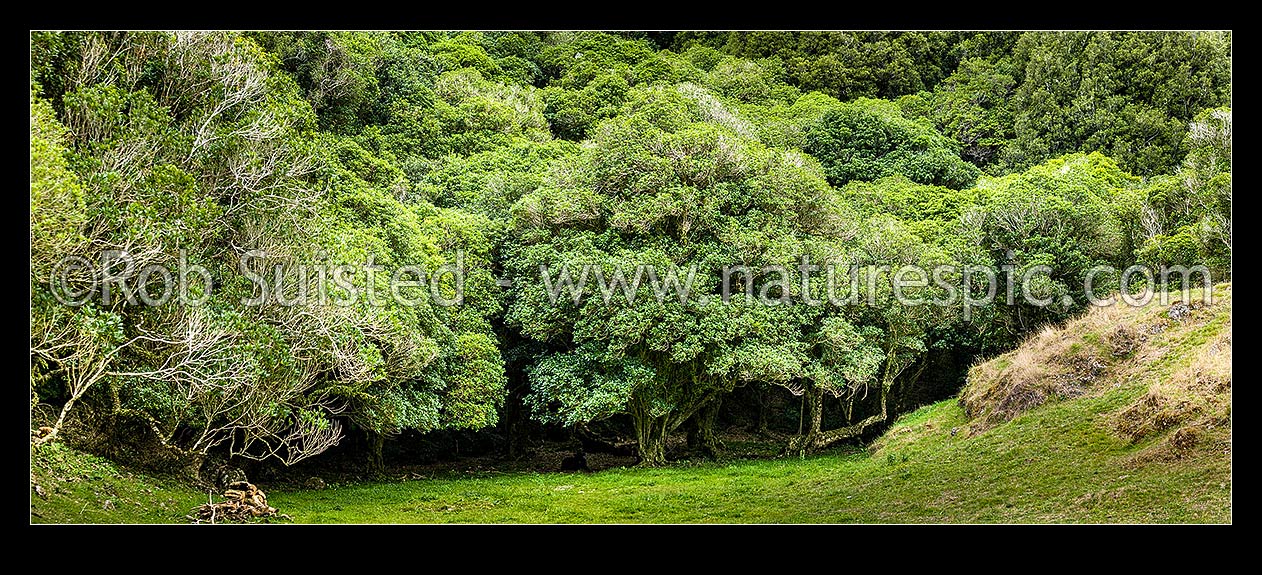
(1114,343)
(1198,393)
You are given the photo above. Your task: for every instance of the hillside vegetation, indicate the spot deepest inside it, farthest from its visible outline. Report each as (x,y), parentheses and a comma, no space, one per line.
(1146,438)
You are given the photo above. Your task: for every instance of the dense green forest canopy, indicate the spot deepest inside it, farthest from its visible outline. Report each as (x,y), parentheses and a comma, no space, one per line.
(497,153)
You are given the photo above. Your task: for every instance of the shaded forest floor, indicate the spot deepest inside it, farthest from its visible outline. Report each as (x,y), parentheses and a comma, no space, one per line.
(543,456)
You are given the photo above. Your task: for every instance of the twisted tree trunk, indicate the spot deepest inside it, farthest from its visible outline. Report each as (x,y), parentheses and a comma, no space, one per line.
(701,434)
(650,434)
(651,430)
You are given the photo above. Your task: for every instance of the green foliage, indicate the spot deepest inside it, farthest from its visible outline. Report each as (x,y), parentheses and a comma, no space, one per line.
(846,65)
(973,106)
(1065,214)
(489,182)
(467,114)
(465,50)
(1186,219)
(871,139)
(516,53)
(58,211)
(1180,248)
(934,213)
(197,147)
(659,187)
(578,387)
(1129,95)
(504,151)
(431,367)
(571,113)
(477,110)
(354,79)
(590,75)
(749,81)
(786,124)
(574,59)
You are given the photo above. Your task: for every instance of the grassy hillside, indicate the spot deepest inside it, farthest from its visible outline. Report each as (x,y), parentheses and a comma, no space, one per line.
(81,488)
(1178,354)
(1142,433)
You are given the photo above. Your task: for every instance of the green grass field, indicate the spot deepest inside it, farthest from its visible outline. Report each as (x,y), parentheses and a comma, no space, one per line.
(1063,461)
(1057,464)
(1036,469)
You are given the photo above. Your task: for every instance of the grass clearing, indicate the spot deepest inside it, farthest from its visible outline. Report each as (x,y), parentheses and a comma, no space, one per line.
(1065,460)
(1060,464)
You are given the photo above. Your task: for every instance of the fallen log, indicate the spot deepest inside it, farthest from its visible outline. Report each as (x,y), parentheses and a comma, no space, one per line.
(594,443)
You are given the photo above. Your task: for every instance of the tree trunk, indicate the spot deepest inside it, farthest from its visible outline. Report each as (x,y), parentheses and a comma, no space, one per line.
(760,420)
(376,459)
(651,430)
(650,433)
(701,434)
(801,413)
(516,426)
(815,403)
(61,420)
(825,438)
(515,417)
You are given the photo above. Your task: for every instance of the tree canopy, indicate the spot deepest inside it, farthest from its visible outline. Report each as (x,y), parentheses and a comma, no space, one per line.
(685,183)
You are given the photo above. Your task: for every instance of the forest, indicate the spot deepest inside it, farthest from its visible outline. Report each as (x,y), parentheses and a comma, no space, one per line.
(339,257)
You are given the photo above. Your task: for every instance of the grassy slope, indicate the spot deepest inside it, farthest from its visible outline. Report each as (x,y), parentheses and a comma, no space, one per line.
(78,487)
(1056,465)
(1063,461)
